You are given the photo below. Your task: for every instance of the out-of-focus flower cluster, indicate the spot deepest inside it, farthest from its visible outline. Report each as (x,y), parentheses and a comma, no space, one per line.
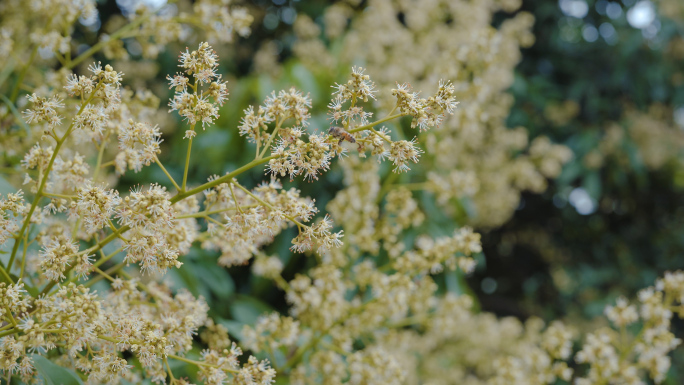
(658,140)
(472,154)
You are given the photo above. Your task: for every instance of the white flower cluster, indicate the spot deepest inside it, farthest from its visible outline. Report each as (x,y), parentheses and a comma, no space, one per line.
(138,145)
(196,106)
(12,208)
(270,333)
(253,218)
(149,216)
(428,112)
(613,360)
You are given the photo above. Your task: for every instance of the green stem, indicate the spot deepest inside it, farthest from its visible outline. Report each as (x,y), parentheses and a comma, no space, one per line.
(371,125)
(17,86)
(100,154)
(187,165)
(169,175)
(268,205)
(15,112)
(4,273)
(107,258)
(168,368)
(237,205)
(180,196)
(10,316)
(270,139)
(102,43)
(102,273)
(9,332)
(198,363)
(282,283)
(202,214)
(383,137)
(109,271)
(23,259)
(210,219)
(55,195)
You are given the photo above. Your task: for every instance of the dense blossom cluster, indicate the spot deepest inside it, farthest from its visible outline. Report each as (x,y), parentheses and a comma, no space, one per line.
(195,106)
(151,227)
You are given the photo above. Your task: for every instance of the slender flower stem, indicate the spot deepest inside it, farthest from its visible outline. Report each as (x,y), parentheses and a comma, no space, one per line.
(4,273)
(237,205)
(270,139)
(62,196)
(168,368)
(268,205)
(187,165)
(102,43)
(371,125)
(100,154)
(198,363)
(110,256)
(23,260)
(8,326)
(380,135)
(10,316)
(180,196)
(201,214)
(210,219)
(109,271)
(17,86)
(169,175)
(282,283)
(102,273)
(10,332)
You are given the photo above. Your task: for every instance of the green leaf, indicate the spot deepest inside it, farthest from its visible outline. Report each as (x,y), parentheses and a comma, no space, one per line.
(54,374)
(306,80)
(18,118)
(592,183)
(247,309)
(216,278)
(234,328)
(32,290)
(185,277)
